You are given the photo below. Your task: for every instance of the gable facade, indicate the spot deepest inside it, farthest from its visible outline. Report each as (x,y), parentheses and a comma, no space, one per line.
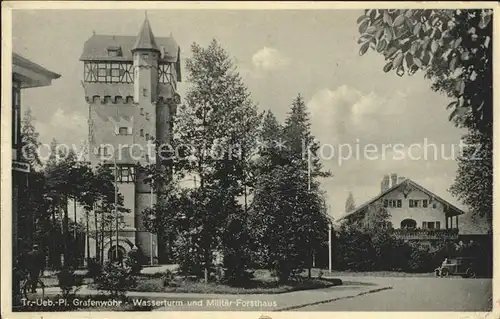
(415,212)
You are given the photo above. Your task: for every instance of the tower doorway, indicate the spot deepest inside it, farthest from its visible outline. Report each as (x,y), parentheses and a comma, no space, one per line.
(115,256)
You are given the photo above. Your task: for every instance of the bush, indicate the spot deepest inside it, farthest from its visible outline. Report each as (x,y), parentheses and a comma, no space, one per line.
(68,282)
(168,279)
(94,268)
(134,261)
(188,257)
(115,279)
(320,274)
(150,285)
(367,250)
(235,271)
(355,251)
(421,259)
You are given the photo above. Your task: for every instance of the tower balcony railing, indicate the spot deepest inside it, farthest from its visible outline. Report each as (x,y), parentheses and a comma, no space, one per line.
(451,233)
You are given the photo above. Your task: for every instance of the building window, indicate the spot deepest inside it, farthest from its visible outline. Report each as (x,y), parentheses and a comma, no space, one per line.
(144,92)
(431,225)
(123,131)
(434,205)
(400,203)
(147,137)
(145,56)
(392,203)
(408,224)
(415,203)
(147,116)
(142,111)
(141,132)
(425,203)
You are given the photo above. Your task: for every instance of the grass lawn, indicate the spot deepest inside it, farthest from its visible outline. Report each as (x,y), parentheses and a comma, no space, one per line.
(262,283)
(53,282)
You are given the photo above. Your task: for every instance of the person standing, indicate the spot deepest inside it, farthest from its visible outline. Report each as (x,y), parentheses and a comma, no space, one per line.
(35,265)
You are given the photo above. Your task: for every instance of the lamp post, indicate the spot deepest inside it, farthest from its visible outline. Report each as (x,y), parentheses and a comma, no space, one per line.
(330,247)
(151,233)
(309,192)
(116,203)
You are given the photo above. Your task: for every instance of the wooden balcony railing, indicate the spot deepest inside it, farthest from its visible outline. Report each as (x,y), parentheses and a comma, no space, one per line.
(426,233)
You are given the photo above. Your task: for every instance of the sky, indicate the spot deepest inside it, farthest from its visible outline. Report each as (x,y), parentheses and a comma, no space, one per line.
(279,54)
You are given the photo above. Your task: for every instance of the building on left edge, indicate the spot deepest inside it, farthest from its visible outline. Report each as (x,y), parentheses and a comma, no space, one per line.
(25,75)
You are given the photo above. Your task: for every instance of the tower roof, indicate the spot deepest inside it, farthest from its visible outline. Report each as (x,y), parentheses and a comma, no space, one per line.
(145,39)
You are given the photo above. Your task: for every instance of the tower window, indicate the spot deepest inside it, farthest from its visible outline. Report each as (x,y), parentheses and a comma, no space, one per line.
(142,111)
(123,131)
(147,136)
(126,174)
(144,92)
(147,116)
(145,56)
(141,132)
(103,151)
(114,52)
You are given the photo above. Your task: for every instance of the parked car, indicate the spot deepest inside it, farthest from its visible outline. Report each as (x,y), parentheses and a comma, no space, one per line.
(462,266)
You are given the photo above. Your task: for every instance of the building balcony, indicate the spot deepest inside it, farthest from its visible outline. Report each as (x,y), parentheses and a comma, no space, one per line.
(426,234)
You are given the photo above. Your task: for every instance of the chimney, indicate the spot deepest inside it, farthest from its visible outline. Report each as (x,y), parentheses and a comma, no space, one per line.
(384,185)
(162,52)
(394,180)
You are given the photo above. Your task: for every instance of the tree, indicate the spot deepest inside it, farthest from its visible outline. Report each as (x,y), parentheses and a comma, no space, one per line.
(475,168)
(302,151)
(214,130)
(454,50)
(376,217)
(349,203)
(29,141)
(278,220)
(287,217)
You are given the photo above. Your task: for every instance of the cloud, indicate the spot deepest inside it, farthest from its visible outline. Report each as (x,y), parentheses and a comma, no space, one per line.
(348,119)
(67,128)
(345,114)
(269,59)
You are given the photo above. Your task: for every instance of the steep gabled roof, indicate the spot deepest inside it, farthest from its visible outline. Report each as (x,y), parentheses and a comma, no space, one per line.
(96,48)
(145,39)
(405,182)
